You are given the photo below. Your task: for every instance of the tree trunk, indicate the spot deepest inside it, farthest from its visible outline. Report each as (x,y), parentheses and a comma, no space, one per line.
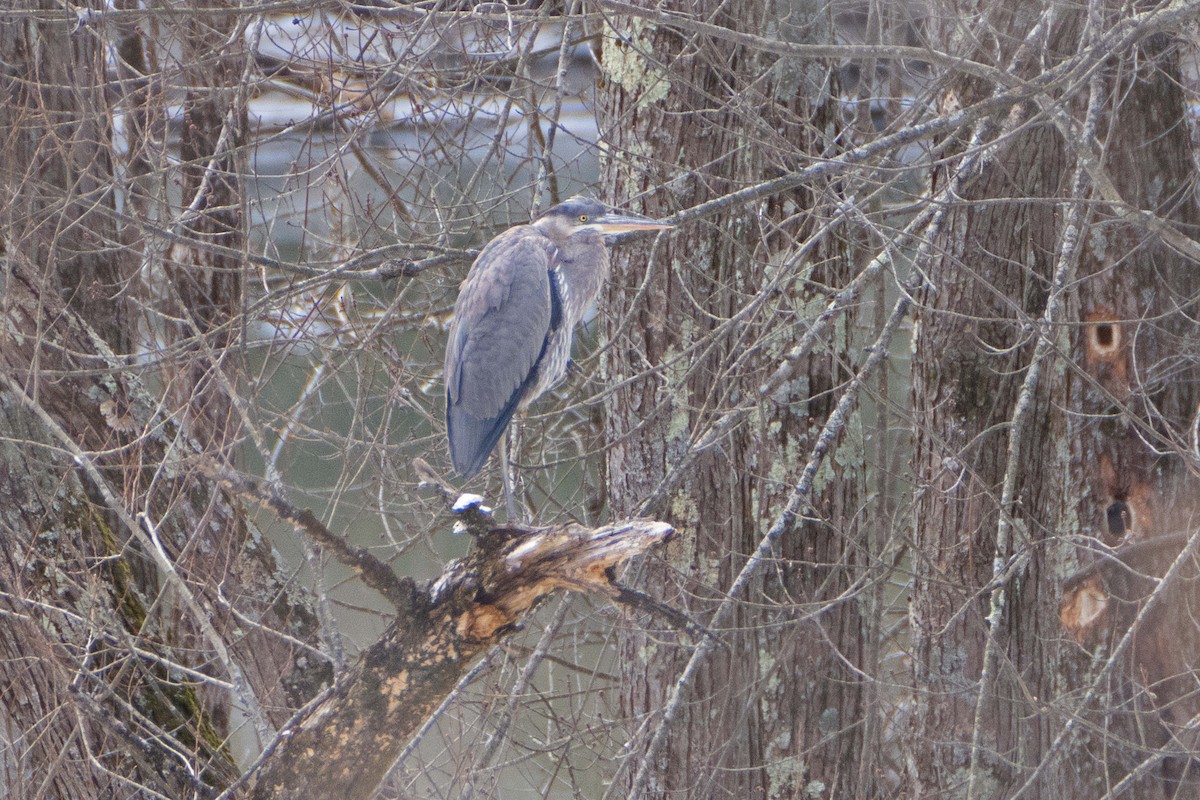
(1133,433)
(1001,504)
(774,714)
(992,276)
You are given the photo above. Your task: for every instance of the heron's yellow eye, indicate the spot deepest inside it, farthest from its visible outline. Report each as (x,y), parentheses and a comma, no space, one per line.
(583,217)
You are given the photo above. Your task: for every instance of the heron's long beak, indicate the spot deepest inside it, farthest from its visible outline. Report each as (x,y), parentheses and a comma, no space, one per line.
(625,222)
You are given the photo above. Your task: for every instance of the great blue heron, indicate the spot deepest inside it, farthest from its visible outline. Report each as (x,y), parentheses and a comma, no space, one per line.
(510,338)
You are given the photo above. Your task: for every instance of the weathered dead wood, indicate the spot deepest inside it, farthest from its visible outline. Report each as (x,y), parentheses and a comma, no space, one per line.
(343,745)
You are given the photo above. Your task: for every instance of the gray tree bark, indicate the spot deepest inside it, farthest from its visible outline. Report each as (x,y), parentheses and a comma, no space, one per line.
(1042,416)
(776,714)
(1133,433)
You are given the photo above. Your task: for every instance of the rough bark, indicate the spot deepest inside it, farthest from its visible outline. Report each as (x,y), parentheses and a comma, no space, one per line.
(992,277)
(77,710)
(770,715)
(1136,398)
(1099,445)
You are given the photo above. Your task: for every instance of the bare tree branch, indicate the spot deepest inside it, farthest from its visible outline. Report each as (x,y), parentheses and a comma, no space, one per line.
(361,725)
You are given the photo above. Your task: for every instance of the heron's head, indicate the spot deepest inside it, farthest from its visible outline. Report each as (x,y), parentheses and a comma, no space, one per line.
(583,215)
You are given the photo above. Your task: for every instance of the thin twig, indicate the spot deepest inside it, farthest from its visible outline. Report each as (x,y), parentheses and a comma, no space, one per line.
(640,601)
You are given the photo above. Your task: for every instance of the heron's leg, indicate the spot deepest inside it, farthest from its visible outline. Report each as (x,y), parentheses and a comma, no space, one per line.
(510,500)
(518,478)
(509,453)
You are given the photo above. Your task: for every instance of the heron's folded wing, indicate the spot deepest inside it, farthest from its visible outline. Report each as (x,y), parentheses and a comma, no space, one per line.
(498,333)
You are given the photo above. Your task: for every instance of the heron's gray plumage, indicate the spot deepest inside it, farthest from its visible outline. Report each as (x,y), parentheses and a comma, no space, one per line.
(513,325)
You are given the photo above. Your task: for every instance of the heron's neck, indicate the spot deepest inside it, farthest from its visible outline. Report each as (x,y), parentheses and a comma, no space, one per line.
(584,264)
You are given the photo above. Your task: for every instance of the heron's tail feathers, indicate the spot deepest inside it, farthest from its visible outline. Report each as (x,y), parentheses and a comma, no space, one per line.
(473,439)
